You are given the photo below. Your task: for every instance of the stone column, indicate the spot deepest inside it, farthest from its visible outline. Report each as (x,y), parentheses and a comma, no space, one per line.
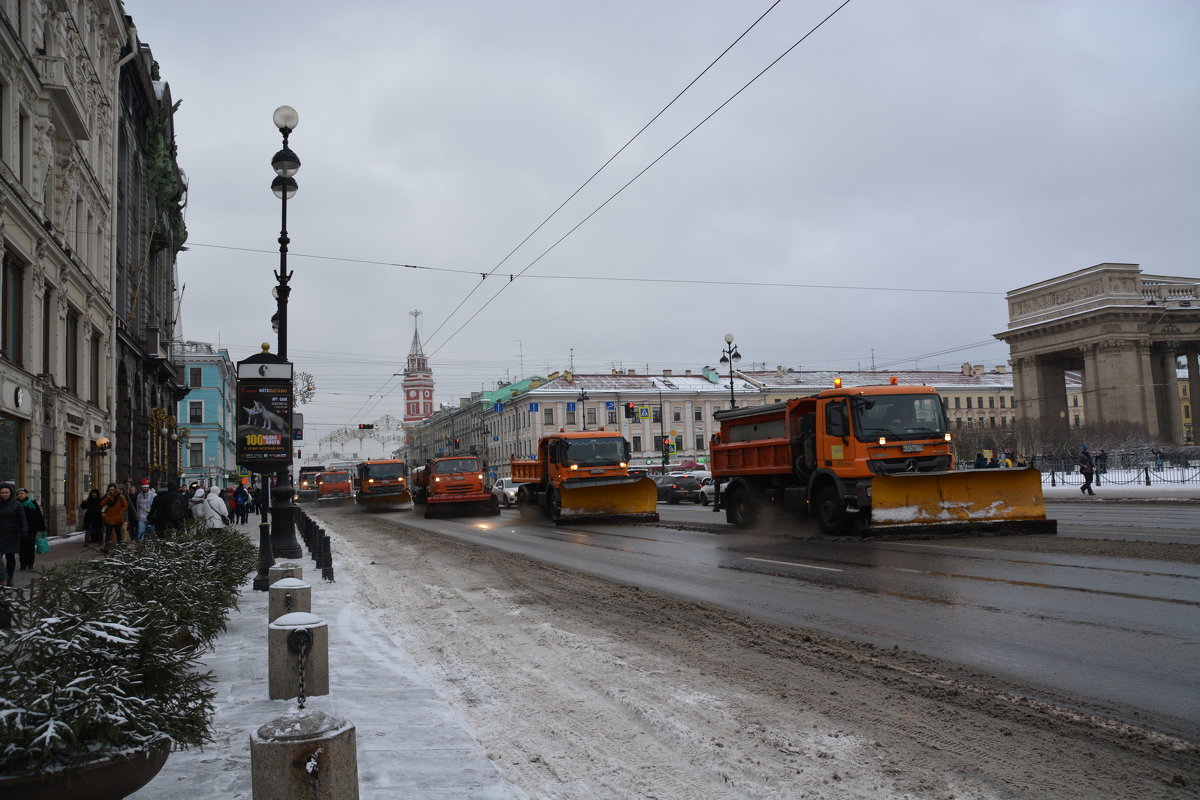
(1168,405)
(1193,389)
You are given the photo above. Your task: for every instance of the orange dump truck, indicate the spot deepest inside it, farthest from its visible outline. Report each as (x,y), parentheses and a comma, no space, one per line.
(382,484)
(453,486)
(333,486)
(867,458)
(583,474)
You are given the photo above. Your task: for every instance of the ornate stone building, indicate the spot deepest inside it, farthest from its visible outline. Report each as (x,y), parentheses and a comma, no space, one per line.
(70,114)
(418,380)
(1123,331)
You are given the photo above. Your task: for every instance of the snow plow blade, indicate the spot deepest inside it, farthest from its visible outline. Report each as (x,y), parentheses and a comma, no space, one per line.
(985,499)
(625,497)
(383,502)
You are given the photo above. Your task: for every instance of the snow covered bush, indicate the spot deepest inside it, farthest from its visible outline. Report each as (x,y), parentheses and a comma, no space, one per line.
(102,659)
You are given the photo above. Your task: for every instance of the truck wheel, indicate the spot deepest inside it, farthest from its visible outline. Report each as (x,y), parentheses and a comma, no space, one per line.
(831,511)
(526,506)
(554,504)
(740,510)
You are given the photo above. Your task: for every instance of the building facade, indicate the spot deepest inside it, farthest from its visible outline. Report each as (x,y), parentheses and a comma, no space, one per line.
(207,415)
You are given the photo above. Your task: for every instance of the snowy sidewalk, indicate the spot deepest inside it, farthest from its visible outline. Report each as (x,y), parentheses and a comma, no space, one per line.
(410,744)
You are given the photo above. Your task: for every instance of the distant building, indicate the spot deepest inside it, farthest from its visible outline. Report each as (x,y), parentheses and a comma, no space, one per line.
(418,380)
(207,416)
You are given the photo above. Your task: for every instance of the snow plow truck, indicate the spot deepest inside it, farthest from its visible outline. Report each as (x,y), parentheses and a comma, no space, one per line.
(382,484)
(867,459)
(583,474)
(453,486)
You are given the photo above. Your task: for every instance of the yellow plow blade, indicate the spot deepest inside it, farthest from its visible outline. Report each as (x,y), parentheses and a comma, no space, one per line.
(968,496)
(637,497)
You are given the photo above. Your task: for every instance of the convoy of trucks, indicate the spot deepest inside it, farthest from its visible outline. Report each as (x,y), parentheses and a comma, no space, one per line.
(863,459)
(306,482)
(583,474)
(453,486)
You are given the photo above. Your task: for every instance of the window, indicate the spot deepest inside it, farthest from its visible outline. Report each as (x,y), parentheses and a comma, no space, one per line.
(1002,401)
(612,417)
(196,377)
(13,323)
(992,402)
(94,366)
(991,422)
(657,414)
(570,416)
(956,402)
(1075,401)
(1076,422)
(697,414)
(637,444)
(958,422)
(981,402)
(699,442)
(590,415)
(195,454)
(658,443)
(47,333)
(1004,422)
(547,416)
(676,414)
(195,412)
(71,353)
(968,402)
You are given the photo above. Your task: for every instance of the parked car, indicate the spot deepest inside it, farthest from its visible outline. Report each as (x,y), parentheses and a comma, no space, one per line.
(505,492)
(708,490)
(674,488)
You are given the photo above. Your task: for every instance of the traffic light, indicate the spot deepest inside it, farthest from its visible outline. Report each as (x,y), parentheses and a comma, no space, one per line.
(366,426)
(630,411)
(457,441)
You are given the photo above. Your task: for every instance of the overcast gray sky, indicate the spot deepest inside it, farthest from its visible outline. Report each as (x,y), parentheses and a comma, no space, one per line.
(872,195)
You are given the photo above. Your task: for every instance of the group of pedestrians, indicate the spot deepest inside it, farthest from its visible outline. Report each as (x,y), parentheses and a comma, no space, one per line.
(22,530)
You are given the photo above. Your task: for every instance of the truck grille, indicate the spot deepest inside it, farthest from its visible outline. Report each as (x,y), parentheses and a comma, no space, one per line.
(893,466)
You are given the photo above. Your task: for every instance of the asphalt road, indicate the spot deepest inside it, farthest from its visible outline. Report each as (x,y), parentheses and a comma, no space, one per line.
(1119,637)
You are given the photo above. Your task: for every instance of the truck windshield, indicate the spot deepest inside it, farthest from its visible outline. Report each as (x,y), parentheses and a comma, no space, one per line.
(598,452)
(451,466)
(335,477)
(898,416)
(383,471)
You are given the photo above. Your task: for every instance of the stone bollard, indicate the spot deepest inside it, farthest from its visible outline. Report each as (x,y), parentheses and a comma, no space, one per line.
(304,754)
(287,595)
(289,637)
(287,569)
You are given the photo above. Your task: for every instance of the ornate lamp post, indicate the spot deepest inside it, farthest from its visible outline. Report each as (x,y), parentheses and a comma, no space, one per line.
(286,164)
(583,395)
(730,356)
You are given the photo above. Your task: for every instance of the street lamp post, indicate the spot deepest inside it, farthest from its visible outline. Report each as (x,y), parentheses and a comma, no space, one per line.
(286,164)
(730,356)
(583,395)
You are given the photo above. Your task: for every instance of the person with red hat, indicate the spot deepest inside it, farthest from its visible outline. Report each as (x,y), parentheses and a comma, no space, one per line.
(145,499)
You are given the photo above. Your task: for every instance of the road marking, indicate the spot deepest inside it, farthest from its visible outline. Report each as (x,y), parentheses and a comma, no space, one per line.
(794,564)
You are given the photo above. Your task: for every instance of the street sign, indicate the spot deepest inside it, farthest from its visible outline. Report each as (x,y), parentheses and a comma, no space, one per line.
(643,412)
(610,405)
(674,432)
(571,407)
(297,427)
(499,407)
(495,438)
(533,407)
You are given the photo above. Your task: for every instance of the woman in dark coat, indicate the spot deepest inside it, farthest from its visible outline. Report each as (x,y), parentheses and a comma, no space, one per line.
(93,519)
(12,528)
(35,523)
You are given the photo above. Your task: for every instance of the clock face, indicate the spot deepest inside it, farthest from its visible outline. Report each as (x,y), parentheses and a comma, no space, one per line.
(19,398)
(412,392)
(427,393)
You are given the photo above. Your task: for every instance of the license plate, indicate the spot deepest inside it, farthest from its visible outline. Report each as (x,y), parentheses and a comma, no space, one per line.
(912,448)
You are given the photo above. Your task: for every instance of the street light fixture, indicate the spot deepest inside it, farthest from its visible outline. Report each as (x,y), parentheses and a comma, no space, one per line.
(583,395)
(286,164)
(730,356)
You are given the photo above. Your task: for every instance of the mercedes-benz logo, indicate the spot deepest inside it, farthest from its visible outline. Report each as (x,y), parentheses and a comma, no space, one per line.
(262,370)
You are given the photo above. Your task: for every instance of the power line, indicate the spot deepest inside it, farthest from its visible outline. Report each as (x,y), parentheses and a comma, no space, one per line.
(645,169)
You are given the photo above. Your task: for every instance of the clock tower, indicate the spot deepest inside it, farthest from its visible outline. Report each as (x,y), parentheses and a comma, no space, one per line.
(418,380)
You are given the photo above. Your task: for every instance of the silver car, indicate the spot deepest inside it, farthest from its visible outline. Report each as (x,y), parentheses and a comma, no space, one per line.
(505,492)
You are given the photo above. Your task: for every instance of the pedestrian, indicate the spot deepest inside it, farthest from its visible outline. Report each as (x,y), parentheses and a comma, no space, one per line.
(196,504)
(1087,468)
(1102,462)
(12,528)
(114,508)
(35,526)
(993,463)
(161,516)
(141,510)
(242,498)
(1005,460)
(129,529)
(1021,461)
(215,509)
(93,519)
(980,461)
(1158,459)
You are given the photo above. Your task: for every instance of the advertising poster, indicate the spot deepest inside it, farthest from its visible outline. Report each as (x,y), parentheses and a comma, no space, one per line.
(264,432)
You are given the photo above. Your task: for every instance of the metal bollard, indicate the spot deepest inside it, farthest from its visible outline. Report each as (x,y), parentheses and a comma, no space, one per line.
(304,754)
(287,595)
(297,657)
(287,569)
(327,566)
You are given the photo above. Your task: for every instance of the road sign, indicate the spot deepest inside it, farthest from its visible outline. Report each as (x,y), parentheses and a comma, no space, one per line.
(643,412)
(674,432)
(671,448)
(533,407)
(499,407)
(571,407)
(610,405)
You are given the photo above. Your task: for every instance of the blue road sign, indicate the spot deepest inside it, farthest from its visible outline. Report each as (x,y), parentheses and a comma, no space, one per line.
(643,412)
(533,406)
(571,407)
(498,407)
(610,405)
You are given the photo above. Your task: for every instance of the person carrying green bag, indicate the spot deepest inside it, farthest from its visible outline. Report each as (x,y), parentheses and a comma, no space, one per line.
(35,530)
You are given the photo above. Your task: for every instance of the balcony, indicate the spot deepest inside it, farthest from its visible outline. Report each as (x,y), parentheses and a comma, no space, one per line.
(66,107)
